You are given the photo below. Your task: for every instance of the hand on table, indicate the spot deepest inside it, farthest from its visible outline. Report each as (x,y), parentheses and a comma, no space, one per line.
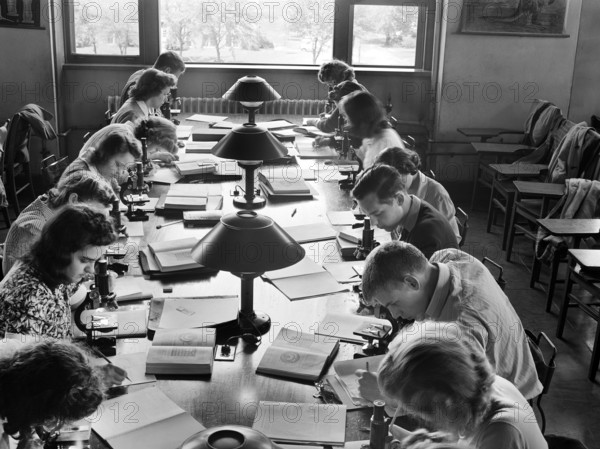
(367,385)
(111,375)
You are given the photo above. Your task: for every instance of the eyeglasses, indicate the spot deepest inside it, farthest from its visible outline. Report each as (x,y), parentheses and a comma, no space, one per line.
(326,393)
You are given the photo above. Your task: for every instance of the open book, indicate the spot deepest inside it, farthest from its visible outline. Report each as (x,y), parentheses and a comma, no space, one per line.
(311,131)
(304,280)
(298,355)
(174,255)
(181,351)
(300,423)
(145,419)
(284,185)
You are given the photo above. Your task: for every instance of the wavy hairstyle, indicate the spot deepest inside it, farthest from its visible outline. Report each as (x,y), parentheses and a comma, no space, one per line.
(112,140)
(365,113)
(439,375)
(87,186)
(151,83)
(335,71)
(50,380)
(72,228)
(406,161)
(158,131)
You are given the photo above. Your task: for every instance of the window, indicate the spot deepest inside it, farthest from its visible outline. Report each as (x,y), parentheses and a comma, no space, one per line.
(104,28)
(374,33)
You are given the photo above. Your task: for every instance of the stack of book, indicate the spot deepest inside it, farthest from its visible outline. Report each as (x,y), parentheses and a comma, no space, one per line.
(181,351)
(195,167)
(284,187)
(182,197)
(298,355)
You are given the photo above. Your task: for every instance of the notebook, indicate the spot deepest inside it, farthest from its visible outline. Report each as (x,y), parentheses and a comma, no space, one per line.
(284,185)
(174,255)
(342,326)
(185,202)
(135,365)
(298,355)
(279,191)
(145,419)
(345,272)
(187,168)
(132,288)
(311,131)
(305,279)
(301,423)
(181,351)
(198,147)
(184,131)
(200,311)
(341,217)
(306,150)
(312,232)
(206,118)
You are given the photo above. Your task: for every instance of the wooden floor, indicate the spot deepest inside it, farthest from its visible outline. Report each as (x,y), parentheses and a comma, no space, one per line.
(572,405)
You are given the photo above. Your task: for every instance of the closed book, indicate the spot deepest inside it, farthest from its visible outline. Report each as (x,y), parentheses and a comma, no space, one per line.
(181,351)
(301,423)
(268,190)
(174,255)
(298,355)
(199,147)
(284,185)
(187,168)
(185,202)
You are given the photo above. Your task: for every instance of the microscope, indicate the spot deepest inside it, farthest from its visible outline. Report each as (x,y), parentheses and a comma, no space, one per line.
(97,327)
(167,110)
(368,242)
(134,193)
(115,213)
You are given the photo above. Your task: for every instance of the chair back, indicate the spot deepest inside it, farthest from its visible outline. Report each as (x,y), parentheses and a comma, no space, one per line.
(16,148)
(462,219)
(544,357)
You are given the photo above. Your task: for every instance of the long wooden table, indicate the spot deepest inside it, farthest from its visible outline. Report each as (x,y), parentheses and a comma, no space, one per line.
(231,394)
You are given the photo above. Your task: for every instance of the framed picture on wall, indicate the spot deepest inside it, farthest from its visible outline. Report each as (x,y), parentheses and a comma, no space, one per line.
(514,17)
(20,13)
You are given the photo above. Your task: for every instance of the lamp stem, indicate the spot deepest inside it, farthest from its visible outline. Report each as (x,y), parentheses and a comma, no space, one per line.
(252,115)
(247,295)
(249,194)
(248,319)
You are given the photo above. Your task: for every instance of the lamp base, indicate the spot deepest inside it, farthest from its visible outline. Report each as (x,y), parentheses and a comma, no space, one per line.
(256,203)
(257,321)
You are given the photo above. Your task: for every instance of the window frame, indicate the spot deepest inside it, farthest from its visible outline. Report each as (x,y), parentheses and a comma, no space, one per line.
(148,13)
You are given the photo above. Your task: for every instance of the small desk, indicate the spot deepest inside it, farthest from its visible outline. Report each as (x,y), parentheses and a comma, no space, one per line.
(579,259)
(498,149)
(545,190)
(485,133)
(571,227)
(519,170)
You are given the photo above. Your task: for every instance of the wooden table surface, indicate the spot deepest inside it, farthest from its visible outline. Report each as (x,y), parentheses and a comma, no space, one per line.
(498,148)
(541,189)
(231,394)
(527,170)
(571,226)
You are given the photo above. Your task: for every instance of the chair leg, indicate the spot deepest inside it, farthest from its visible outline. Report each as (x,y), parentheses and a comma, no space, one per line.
(511,233)
(475,182)
(542,414)
(552,283)
(491,211)
(535,272)
(595,355)
(564,307)
(510,201)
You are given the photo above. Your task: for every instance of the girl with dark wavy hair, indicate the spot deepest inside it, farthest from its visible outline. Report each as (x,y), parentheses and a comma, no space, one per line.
(43,386)
(34,294)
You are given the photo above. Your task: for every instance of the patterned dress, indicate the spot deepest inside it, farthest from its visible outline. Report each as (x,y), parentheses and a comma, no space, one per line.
(29,306)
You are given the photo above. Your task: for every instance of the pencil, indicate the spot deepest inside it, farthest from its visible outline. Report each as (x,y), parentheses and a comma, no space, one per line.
(102,356)
(368,366)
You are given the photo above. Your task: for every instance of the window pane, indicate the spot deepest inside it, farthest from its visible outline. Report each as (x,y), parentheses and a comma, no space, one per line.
(247,31)
(385,35)
(106,27)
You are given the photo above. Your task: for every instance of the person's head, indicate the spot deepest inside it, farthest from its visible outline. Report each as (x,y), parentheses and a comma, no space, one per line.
(407,162)
(160,133)
(82,187)
(334,72)
(381,195)
(170,62)
(440,375)
(111,150)
(363,113)
(397,275)
(153,87)
(71,243)
(47,384)
(342,89)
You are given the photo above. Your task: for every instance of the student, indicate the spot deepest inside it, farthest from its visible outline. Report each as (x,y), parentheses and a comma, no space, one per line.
(107,154)
(43,386)
(442,377)
(365,119)
(34,294)
(149,92)
(451,286)
(381,194)
(408,162)
(168,62)
(340,78)
(161,138)
(82,187)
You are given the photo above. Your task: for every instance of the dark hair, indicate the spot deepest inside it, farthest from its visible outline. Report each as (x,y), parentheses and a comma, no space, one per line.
(87,186)
(71,229)
(151,83)
(365,113)
(380,179)
(44,381)
(169,60)
(336,71)
(407,162)
(158,131)
(106,143)
(392,261)
(342,89)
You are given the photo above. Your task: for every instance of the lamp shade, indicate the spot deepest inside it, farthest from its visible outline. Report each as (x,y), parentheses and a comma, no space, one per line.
(251,89)
(229,437)
(250,142)
(246,242)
